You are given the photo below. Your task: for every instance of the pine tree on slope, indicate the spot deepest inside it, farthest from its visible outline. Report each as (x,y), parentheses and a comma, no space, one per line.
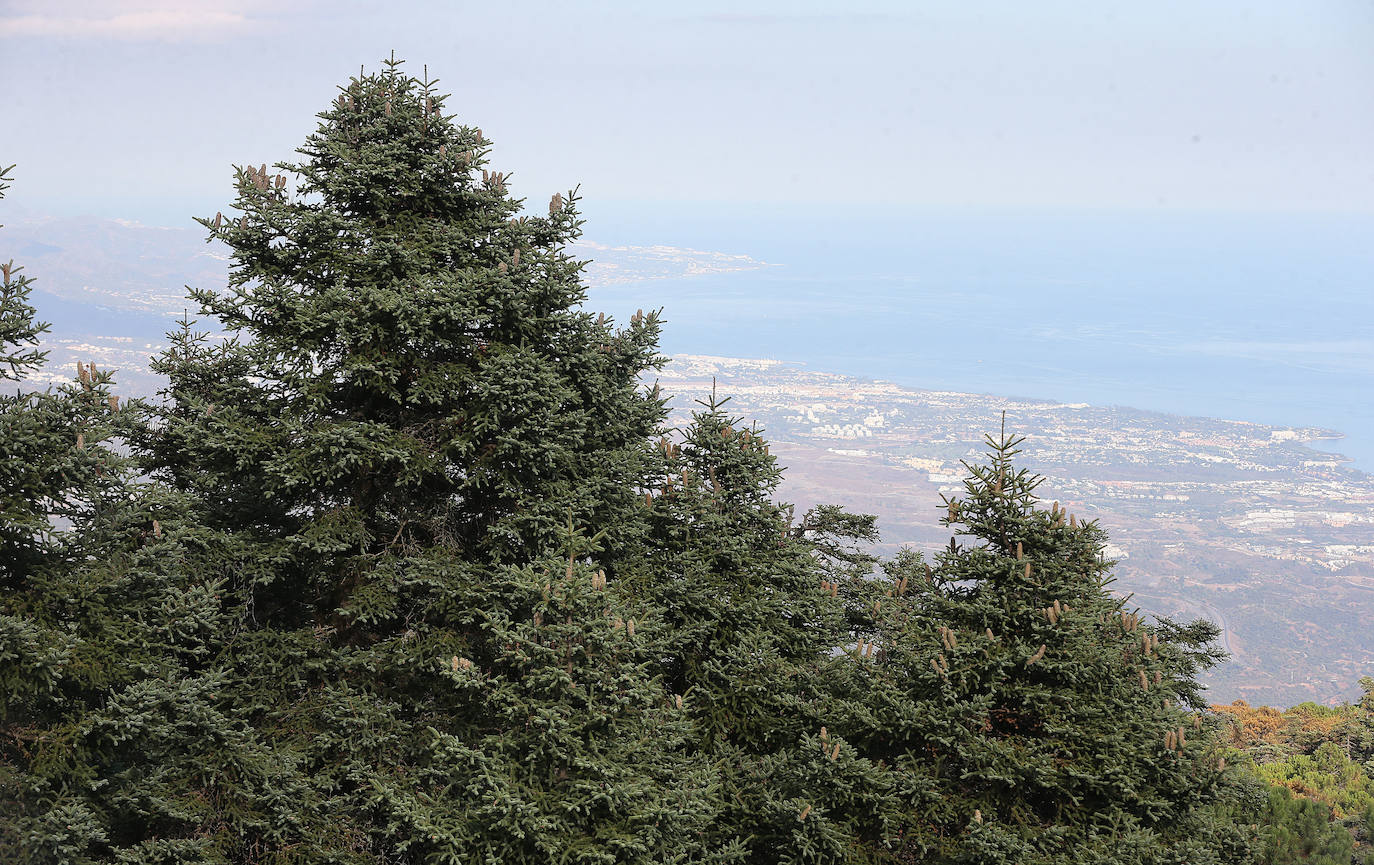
(1295,829)
(420,444)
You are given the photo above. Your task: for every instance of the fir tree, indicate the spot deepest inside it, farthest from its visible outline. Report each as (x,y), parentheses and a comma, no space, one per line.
(752,623)
(20,331)
(28,474)
(1038,718)
(115,743)
(420,445)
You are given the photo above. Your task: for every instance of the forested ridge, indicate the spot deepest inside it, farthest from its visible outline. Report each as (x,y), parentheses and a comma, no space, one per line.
(411,569)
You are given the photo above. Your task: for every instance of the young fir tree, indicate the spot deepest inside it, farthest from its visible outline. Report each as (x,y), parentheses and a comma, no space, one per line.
(28,474)
(752,623)
(419,444)
(114,744)
(1037,718)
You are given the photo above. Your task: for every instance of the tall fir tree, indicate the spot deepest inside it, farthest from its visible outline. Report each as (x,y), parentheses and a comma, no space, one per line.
(753,619)
(1037,717)
(420,445)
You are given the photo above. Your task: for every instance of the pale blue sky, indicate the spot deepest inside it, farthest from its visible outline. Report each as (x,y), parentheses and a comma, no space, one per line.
(137,107)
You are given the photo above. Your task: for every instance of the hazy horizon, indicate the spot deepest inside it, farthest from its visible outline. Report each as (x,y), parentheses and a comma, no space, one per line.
(1210,315)
(139,103)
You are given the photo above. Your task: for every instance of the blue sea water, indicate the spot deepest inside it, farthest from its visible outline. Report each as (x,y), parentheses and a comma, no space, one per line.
(1261,317)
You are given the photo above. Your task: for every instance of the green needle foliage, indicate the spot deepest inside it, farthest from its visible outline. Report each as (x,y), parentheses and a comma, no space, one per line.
(116,742)
(751,630)
(19,330)
(1038,719)
(416,445)
(1324,756)
(31,471)
(405,337)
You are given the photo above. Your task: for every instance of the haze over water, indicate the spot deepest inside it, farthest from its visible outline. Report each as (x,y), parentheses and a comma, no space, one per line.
(1261,317)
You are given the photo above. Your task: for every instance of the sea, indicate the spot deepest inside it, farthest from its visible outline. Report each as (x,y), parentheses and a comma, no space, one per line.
(1265,317)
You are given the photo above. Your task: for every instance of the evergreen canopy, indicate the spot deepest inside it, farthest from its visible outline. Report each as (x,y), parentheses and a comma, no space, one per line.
(1036,717)
(396,573)
(117,742)
(420,444)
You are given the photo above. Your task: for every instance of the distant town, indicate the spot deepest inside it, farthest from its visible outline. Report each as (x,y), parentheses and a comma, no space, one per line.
(1237,522)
